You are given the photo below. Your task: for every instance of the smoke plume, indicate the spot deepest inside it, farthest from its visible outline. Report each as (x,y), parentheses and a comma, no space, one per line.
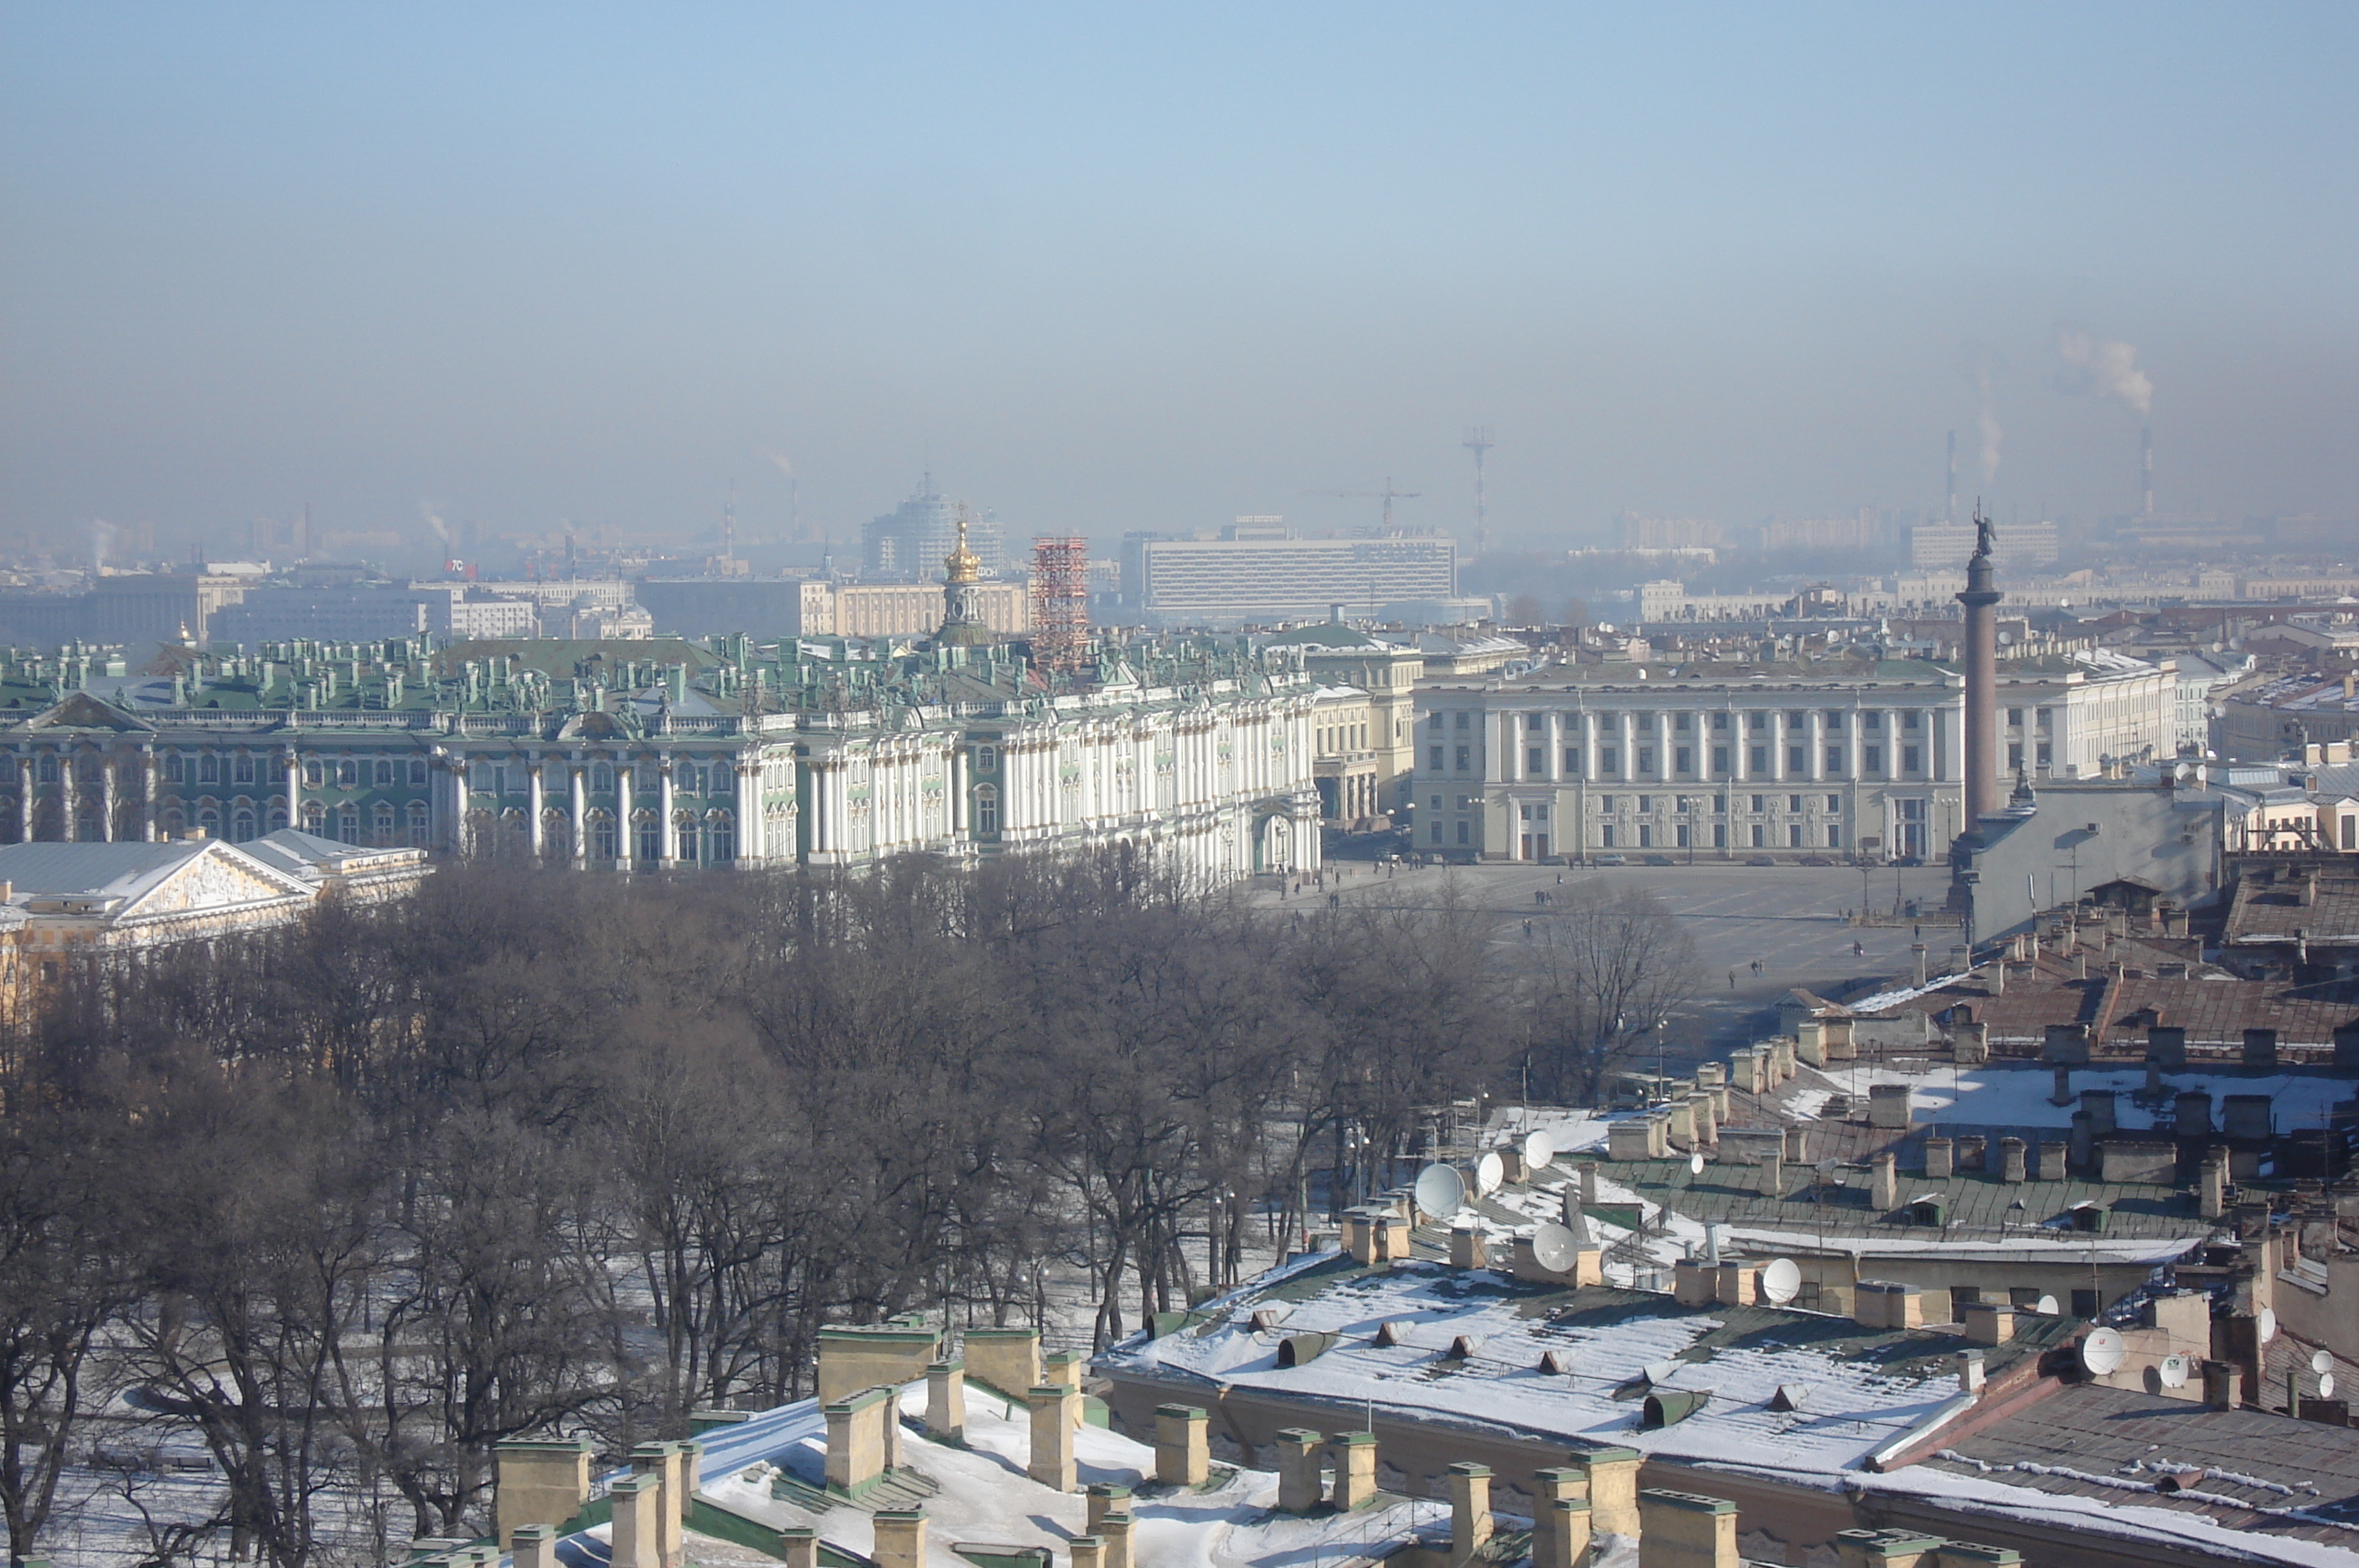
(2095,368)
(432,513)
(1986,422)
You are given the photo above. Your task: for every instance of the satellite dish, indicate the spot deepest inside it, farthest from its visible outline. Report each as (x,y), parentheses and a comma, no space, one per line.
(2320,1361)
(2173,1371)
(1827,1168)
(2046,1306)
(1441,1191)
(2268,1322)
(1539,1149)
(2326,1385)
(1781,1281)
(1695,1163)
(1555,1248)
(1489,1172)
(2101,1352)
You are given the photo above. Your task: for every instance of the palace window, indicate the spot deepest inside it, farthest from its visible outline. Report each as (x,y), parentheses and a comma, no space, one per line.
(602,779)
(418,773)
(987,809)
(348,773)
(987,759)
(209,769)
(384,772)
(420,824)
(245,767)
(382,820)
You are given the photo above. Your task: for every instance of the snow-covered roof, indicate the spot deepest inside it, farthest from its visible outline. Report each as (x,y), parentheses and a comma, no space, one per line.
(1867,1387)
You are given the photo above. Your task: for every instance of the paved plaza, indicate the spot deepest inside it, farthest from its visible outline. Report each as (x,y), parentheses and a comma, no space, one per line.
(1794,919)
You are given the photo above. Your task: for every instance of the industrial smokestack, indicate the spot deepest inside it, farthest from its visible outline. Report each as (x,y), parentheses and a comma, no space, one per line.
(2145,464)
(1951,513)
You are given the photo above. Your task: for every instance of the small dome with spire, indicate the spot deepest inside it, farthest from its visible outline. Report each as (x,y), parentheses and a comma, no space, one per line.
(962,564)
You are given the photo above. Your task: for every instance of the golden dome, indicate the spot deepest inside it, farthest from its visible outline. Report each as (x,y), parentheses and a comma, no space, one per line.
(962,564)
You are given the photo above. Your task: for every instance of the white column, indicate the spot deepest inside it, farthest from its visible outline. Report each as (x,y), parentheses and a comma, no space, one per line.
(147,795)
(105,800)
(535,795)
(68,798)
(577,805)
(1891,743)
(1778,743)
(1588,745)
(24,799)
(294,765)
(668,841)
(958,788)
(626,832)
(751,809)
(1818,732)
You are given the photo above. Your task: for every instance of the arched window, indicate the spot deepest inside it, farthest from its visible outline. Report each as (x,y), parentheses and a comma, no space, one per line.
(720,839)
(648,829)
(245,767)
(314,774)
(987,759)
(420,824)
(348,821)
(173,823)
(418,773)
(48,769)
(277,815)
(209,819)
(385,767)
(384,823)
(241,824)
(602,779)
(209,768)
(986,809)
(602,835)
(315,817)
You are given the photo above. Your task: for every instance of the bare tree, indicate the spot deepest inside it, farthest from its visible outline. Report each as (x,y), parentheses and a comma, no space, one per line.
(1606,965)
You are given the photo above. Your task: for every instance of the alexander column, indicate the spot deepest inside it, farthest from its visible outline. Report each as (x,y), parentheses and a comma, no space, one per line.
(1981,601)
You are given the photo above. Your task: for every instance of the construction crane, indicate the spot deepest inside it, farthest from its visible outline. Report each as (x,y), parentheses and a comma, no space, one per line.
(1388,494)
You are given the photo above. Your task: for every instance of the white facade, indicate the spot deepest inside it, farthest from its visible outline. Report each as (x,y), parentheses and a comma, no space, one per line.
(1836,767)
(1797,762)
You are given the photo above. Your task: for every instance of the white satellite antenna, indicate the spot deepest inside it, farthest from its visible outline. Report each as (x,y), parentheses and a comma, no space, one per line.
(2326,1385)
(2101,1352)
(1555,1248)
(1781,1281)
(2268,1324)
(1439,1191)
(1539,1149)
(2046,1306)
(1489,1172)
(2321,1361)
(1695,1163)
(2173,1371)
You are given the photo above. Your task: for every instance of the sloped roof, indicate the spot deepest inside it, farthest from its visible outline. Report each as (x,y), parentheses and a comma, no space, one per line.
(308,856)
(128,874)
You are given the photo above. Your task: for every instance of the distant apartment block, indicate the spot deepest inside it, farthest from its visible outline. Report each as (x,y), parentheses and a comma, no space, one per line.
(453,611)
(1670,533)
(910,540)
(1862,532)
(2019,545)
(705,607)
(1256,570)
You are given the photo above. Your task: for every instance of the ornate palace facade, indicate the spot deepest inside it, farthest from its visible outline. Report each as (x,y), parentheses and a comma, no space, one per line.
(665,755)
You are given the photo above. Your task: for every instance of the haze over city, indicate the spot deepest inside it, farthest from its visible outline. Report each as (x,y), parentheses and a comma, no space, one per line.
(546,267)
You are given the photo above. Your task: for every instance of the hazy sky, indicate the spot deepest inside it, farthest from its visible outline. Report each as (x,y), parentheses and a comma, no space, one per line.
(1124,266)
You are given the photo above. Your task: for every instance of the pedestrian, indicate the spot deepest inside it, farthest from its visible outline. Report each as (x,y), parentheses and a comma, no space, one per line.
(1528,930)
(1731,979)
(1560,878)
(1859,950)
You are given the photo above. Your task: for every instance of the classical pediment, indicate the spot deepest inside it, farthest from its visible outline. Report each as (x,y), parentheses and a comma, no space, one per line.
(223,877)
(81,711)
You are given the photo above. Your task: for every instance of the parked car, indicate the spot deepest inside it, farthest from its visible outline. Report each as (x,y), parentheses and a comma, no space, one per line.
(1661,860)
(1759,860)
(1816,860)
(1608,860)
